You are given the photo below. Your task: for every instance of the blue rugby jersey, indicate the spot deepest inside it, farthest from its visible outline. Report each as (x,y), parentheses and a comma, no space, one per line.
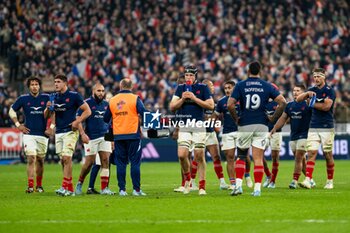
(228,123)
(300,115)
(322,119)
(33,108)
(270,110)
(190,108)
(95,127)
(253,95)
(66,106)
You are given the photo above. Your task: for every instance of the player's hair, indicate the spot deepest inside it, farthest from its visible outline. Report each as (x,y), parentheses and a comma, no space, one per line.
(126,83)
(301,86)
(230,82)
(254,68)
(62,77)
(33,78)
(321,70)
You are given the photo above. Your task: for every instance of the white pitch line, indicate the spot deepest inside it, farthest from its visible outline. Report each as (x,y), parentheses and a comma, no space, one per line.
(174,221)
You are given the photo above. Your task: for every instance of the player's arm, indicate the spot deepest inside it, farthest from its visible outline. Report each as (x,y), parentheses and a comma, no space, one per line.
(325,106)
(305,96)
(108,115)
(47,111)
(280,123)
(282,103)
(206,104)
(231,106)
(50,131)
(13,116)
(86,112)
(84,137)
(176,103)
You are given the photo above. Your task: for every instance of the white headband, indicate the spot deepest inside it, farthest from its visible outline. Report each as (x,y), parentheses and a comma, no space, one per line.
(319,74)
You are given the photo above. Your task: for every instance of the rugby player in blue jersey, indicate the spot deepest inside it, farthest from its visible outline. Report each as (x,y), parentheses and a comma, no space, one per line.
(34,140)
(299,115)
(95,128)
(212,146)
(321,130)
(275,141)
(66,105)
(192,99)
(253,95)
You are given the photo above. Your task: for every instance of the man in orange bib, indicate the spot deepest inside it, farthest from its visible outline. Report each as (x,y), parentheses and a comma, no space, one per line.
(124,110)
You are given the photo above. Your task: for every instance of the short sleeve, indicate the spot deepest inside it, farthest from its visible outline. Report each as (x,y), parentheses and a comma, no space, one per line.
(179,91)
(218,108)
(206,93)
(18,104)
(236,94)
(273,92)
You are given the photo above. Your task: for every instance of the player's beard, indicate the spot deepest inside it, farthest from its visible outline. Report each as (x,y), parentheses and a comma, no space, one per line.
(99,99)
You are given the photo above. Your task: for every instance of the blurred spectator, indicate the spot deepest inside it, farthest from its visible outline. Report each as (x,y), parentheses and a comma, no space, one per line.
(150,41)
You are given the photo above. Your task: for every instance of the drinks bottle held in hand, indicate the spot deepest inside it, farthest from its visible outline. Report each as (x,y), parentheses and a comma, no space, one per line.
(312,101)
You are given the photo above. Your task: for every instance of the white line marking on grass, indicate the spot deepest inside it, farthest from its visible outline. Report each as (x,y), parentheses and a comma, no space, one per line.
(205,221)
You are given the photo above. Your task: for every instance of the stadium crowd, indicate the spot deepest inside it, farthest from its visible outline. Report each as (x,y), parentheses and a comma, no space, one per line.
(151,41)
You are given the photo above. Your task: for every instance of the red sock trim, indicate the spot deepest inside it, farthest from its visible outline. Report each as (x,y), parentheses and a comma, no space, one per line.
(202,184)
(258,173)
(240,168)
(218,169)
(187,176)
(310,169)
(330,171)
(30,182)
(194,169)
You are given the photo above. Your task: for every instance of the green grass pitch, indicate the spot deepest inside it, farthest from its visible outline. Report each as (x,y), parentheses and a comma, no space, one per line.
(278,210)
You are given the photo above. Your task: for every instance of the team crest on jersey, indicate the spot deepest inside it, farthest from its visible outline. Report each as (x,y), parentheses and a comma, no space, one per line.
(93,107)
(67,100)
(28,104)
(42,103)
(120,104)
(198,92)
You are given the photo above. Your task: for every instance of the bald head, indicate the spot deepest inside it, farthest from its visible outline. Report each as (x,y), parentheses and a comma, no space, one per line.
(126,84)
(97,86)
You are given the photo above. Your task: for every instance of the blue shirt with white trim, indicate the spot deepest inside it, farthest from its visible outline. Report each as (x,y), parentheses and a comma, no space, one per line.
(228,123)
(190,108)
(300,115)
(66,106)
(33,108)
(253,95)
(95,127)
(322,119)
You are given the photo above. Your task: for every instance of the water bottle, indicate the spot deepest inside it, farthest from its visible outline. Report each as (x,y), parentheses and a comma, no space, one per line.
(52,100)
(312,101)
